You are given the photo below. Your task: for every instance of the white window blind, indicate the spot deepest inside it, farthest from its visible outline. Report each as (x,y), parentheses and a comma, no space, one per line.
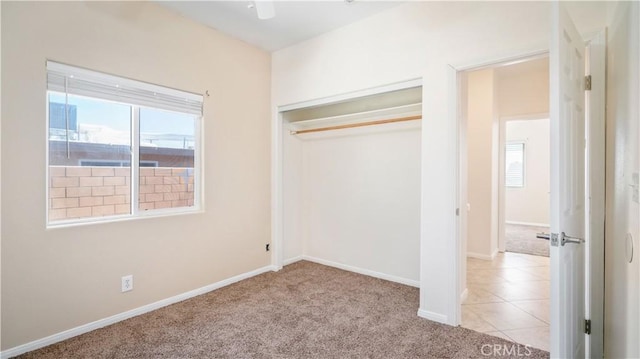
(83,82)
(514,164)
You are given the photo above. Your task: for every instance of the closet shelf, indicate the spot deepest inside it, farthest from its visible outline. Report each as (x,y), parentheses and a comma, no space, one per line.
(358,119)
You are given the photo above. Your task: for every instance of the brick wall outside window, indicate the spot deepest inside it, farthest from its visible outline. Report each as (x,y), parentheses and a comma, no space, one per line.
(82,192)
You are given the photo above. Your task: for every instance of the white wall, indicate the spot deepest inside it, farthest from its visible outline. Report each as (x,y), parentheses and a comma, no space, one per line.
(422,39)
(57,279)
(523,89)
(358,199)
(622,279)
(530,204)
(482,240)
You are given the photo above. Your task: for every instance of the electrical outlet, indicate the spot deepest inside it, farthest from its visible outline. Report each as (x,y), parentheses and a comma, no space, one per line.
(127,283)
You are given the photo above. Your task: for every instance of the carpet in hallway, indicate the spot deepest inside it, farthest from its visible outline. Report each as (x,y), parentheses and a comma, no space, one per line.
(522,239)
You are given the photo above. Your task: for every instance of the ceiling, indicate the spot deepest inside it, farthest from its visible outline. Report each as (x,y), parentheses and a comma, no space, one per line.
(295,21)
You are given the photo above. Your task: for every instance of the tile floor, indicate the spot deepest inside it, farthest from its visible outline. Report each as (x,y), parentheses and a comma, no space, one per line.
(509,298)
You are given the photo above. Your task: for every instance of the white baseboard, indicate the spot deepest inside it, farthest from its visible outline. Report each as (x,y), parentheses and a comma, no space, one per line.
(531,224)
(485,257)
(436,317)
(292,260)
(495,253)
(85,328)
(370,273)
(464,295)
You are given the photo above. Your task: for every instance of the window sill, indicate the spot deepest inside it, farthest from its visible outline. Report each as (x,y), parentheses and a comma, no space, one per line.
(158,213)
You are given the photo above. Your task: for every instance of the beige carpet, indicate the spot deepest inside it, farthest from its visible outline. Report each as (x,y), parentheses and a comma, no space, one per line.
(522,239)
(304,311)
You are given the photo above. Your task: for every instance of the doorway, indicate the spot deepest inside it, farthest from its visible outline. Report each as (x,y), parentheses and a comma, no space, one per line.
(507,267)
(525,182)
(575,324)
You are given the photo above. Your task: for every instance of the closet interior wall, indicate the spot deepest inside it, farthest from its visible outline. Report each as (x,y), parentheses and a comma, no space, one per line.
(351,196)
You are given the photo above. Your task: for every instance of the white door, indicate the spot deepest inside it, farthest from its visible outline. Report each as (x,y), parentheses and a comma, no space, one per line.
(567,81)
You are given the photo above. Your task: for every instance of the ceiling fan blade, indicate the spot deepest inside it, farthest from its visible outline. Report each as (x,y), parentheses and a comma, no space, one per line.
(265,9)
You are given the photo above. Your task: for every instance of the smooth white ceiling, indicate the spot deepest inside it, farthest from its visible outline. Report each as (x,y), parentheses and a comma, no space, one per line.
(295,21)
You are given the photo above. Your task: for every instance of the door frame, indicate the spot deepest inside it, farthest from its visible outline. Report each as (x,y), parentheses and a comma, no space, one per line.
(595,192)
(458,116)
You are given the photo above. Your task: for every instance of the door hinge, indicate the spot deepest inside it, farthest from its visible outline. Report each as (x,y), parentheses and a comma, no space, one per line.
(457,211)
(587,326)
(587,83)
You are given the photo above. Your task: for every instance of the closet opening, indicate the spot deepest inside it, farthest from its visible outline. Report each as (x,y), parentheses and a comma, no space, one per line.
(349,182)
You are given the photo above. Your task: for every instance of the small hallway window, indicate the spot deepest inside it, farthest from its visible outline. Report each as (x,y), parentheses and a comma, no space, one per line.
(514,164)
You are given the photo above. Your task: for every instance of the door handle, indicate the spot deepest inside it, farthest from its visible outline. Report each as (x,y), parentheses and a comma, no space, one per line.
(563,238)
(568,239)
(552,237)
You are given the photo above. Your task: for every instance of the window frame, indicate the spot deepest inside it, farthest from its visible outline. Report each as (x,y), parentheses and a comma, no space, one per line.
(135,212)
(135,170)
(524,164)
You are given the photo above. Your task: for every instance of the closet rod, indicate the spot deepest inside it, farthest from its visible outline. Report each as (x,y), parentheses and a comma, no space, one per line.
(361,124)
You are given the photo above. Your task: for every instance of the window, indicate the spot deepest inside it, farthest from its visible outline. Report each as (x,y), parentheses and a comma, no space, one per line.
(119,148)
(514,164)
